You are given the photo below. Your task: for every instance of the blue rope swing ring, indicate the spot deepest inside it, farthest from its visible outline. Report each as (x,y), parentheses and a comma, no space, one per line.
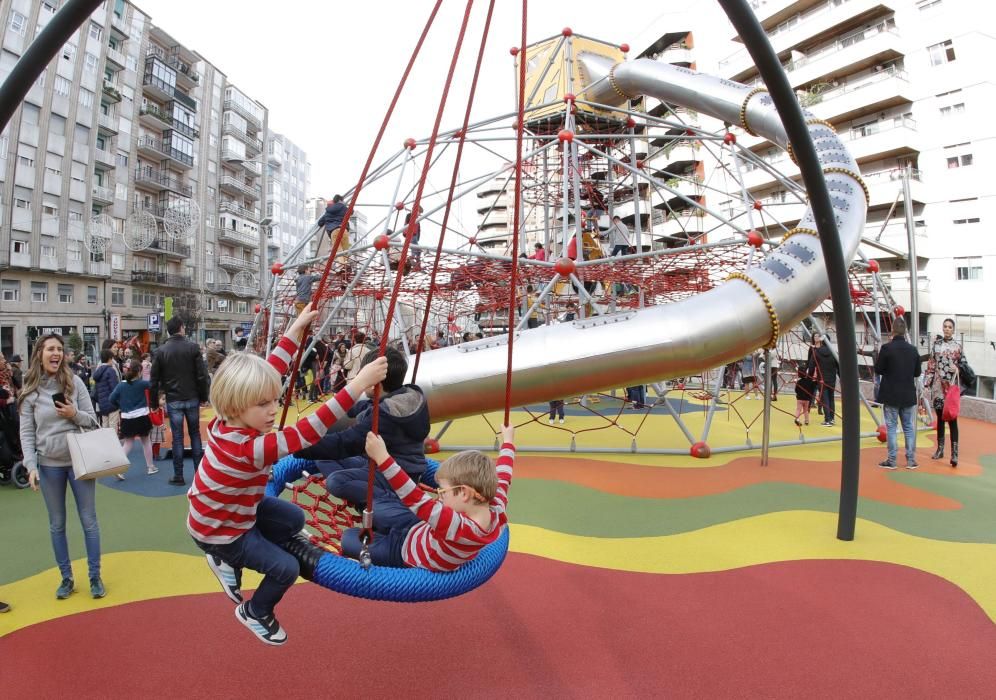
(344,575)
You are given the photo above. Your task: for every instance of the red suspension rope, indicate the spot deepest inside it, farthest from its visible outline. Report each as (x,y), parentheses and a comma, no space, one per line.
(409,231)
(449,196)
(519,127)
(352,204)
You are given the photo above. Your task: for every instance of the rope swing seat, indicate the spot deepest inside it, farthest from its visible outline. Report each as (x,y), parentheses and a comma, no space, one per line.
(348,576)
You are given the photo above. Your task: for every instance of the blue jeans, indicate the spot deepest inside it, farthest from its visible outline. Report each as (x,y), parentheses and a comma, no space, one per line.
(260,549)
(191,411)
(53,487)
(349,482)
(894,415)
(827,399)
(385,550)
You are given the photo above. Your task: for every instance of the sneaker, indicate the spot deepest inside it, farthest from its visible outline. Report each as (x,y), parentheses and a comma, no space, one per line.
(229,577)
(65,589)
(177,481)
(561,421)
(798,422)
(152,469)
(4,607)
(887,464)
(550,421)
(268,629)
(97,589)
(119,477)
(827,424)
(912,464)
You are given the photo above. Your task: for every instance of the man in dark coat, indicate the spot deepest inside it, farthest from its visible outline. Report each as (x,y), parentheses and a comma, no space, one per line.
(823,366)
(899,365)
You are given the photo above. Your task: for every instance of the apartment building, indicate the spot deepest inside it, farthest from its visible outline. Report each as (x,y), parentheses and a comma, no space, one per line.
(905,84)
(130,183)
(287,196)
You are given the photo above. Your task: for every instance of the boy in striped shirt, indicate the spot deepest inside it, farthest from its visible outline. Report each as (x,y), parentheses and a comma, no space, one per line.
(468,515)
(230,518)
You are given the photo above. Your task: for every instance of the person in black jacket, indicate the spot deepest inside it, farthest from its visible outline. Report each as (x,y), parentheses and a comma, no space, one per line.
(822,365)
(332,218)
(899,365)
(178,370)
(403,422)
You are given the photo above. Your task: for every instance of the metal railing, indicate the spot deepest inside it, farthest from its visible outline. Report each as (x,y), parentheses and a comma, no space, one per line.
(242,185)
(239,109)
(240,263)
(164,278)
(105,194)
(238,210)
(245,239)
(163,244)
(162,178)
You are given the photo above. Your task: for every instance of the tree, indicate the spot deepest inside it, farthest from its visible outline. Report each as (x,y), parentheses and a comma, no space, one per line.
(188,307)
(75,342)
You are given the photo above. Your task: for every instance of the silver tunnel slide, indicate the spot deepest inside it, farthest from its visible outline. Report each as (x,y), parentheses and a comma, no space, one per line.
(673,340)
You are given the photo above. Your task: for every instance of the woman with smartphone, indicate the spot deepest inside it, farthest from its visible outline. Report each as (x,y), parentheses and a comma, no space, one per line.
(53,402)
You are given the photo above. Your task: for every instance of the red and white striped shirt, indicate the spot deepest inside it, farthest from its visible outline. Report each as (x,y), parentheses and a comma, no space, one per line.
(231,479)
(446,539)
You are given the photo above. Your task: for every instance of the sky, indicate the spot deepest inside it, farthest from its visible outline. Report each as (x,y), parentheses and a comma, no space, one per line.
(327,70)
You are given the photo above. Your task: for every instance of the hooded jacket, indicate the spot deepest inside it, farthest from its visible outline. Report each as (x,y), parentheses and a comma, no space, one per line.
(403,423)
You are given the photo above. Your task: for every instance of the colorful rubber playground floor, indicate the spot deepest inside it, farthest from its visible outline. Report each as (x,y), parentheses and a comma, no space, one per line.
(628,576)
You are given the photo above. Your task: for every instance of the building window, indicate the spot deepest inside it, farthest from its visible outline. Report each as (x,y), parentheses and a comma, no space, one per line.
(941,53)
(47,251)
(969,220)
(39,291)
(117,296)
(958,155)
(971,327)
(18,23)
(968,268)
(11,290)
(90,61)
(91,295)
(62,86)
(952,110)
(242,307)
(209,303)
(95,31)
(65,294)
(962,161)
(19,247)
(73,252)
(117,261)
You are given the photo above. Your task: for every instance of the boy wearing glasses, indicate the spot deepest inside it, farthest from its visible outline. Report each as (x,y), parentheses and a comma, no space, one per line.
(468,514)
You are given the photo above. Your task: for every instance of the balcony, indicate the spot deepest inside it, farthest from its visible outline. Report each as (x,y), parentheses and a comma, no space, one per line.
(230,262)
(151,115)
(884,139)
(243,239)
(119,26)
(108,123)
(238,210)
(170,248)
(252,142)
(884,186)
(889,88)
(164,278)
(159,180)
(100,269)
(237,186)
(185,73)
(104,195)
(806,25)
(156,86)
(234,106)
(111,91)
(116,57)
(105,160)
(185,99)
(156,210)
(858,51)
(155,148)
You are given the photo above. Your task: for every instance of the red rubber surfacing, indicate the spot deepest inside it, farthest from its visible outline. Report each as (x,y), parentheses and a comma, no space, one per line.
(540,628)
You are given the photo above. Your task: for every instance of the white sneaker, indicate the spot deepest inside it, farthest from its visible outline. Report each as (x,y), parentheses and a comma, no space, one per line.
(120,477)
(550,421)
(561,421)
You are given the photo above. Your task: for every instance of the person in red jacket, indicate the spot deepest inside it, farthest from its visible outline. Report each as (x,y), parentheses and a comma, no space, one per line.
(230,518)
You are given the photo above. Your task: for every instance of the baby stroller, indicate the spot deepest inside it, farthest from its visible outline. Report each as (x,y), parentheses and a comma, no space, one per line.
(11,467)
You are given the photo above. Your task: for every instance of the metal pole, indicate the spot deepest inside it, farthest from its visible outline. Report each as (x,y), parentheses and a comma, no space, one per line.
(770,68)
(42,50)
(637,224)
(911,238)
(766,430)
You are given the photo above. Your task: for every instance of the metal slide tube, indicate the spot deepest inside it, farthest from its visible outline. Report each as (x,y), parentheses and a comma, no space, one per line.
(673,340)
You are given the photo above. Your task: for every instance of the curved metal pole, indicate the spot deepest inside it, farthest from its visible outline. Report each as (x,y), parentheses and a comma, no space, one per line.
(785,101)
(42,50)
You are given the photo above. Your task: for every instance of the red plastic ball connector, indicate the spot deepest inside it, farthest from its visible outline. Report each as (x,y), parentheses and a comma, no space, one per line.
(410,143)
(472,240)
(565,135)
(379,295)
(700,450)
(399,206)
(755,239)
(729,138)
(624,48)
(514,50)
(758,205)
(569,97)
(431,446)
(567,31)
(900,311)
(565,267)
(882,433)
(873,266)
(451,318)
(257,308)
(382,242)
(630,123)
(277,268)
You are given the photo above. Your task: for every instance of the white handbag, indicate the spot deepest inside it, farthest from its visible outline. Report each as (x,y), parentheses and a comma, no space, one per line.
(96,453)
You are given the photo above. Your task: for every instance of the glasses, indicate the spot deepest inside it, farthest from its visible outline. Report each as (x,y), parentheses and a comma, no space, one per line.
(442,490)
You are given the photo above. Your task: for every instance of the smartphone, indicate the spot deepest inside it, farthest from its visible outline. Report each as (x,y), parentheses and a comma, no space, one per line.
(59,398)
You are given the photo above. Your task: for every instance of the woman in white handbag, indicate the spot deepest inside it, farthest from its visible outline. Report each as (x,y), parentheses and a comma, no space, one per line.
(54,402)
